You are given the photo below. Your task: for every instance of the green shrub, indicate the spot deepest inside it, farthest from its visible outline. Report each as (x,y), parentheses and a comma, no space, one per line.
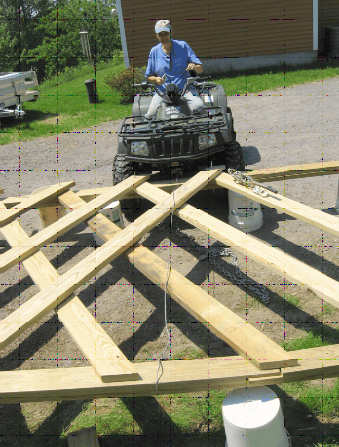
(123,82)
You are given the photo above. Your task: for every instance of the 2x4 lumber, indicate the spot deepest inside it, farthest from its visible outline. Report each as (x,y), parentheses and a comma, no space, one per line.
(179,376)
(102,353)
(50,214)
(50,297)
(244,338)
(315,217)
(51,192)
(325,287)
(61,226)
(295,171)
(260,175)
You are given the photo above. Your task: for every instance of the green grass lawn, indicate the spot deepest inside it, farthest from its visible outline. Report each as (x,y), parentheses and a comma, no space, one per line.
(63,104)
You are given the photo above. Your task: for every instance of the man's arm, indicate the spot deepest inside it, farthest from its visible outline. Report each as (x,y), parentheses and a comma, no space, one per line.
(194,61)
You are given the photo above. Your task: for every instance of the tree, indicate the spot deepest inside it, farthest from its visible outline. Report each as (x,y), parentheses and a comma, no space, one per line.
(60,29)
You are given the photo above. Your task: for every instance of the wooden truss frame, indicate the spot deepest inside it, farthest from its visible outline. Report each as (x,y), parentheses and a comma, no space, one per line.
(260,361)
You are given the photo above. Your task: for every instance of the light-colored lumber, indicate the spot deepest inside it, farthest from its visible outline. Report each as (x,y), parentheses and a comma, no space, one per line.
(102,353)
(61,226)
(259,175)
(244,338)
(50,214)
(7,215)
(47,299)
(179,376)
(325,287)
(107,359)
(295,171)
(318,218)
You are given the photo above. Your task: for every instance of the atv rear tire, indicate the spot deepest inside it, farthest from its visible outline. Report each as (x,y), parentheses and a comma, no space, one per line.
(234,157)
(131,208)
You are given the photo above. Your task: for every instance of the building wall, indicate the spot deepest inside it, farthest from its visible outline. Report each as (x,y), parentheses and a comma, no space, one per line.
(328,15)
(220,28)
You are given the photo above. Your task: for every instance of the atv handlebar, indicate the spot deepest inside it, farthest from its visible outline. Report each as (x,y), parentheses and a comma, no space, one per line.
(146,84)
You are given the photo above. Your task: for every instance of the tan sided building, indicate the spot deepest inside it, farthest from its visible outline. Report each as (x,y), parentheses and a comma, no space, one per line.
(230,34)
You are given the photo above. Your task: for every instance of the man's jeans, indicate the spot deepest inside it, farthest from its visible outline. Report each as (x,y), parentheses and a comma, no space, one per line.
(194,103)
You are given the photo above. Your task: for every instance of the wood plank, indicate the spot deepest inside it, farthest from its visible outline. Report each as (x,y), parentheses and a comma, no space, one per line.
(50,214)
(61,226)
(34,200)
(295,171)
(179,376)
(50,297)
(318,218)
(260,175)
(326,288)
(102,353)
(225,324)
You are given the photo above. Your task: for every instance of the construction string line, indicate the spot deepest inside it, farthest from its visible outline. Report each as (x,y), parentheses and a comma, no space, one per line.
(169,267)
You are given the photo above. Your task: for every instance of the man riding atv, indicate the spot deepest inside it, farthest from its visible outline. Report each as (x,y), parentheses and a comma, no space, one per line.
(172,59)
(179,125)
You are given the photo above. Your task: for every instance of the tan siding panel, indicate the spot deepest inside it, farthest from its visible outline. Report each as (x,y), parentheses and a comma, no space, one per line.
(219,36)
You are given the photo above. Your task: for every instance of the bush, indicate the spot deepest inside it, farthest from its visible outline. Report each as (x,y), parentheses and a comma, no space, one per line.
(123,82)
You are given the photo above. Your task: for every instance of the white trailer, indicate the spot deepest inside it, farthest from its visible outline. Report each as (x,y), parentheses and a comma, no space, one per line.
(15,89)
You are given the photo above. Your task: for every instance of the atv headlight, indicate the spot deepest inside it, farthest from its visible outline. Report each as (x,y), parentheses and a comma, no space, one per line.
(139,148)
(207,140)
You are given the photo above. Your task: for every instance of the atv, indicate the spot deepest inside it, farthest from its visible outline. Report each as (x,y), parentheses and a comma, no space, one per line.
(175,142)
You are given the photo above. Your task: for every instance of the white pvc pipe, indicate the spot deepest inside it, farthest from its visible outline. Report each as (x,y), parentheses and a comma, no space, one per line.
(315,25)
(122,33)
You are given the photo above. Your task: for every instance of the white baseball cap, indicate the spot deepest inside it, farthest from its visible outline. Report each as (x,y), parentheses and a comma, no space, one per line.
(162,25)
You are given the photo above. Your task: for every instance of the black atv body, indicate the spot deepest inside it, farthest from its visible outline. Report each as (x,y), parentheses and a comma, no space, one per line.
(176,142)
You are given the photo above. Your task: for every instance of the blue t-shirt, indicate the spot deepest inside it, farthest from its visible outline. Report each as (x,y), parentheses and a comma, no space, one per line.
(174,65)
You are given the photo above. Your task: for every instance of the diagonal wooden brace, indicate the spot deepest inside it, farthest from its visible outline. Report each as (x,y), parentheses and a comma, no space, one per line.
(50,297)
(103,354)
(227,325)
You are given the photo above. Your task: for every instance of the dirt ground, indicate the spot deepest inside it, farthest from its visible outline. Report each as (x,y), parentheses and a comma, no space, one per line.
(287,126)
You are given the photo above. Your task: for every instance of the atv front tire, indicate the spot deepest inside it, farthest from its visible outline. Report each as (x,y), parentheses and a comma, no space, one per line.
(234,158)
(131,208)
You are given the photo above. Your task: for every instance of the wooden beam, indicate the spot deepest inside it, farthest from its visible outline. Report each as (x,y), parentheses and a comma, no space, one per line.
(179,376)
(102,353)
(325,287)
(324,221)
(61,226)
(50,214)
(7,215)
(225,324)
(47,299)
(260,175)
(295,171)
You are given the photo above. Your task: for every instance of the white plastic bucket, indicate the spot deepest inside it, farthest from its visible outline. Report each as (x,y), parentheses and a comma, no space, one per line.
(113,212)
(253,418)
(244,214)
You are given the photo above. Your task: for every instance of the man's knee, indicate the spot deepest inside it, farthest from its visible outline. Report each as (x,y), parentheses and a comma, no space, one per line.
(198,104)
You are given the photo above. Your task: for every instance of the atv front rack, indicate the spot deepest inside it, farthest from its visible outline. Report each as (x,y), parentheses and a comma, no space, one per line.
(192,123)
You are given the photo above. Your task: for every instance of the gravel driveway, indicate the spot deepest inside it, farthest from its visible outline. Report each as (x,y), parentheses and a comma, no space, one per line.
(288,126)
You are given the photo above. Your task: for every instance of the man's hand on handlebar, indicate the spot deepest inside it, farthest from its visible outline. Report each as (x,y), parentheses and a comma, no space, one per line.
(160,80)
(190,66)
